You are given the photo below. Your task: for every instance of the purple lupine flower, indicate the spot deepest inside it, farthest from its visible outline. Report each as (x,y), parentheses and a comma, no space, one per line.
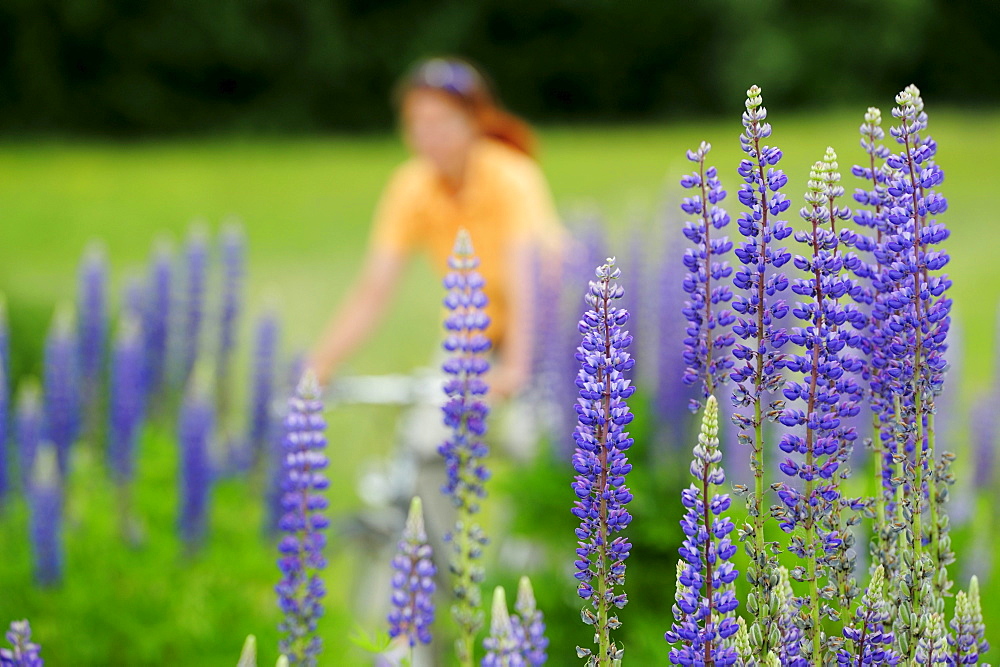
(788,651)
(465,414)
(92,323)
(233,259)
(870,636)
(760,308)
(62,388)
(529,625)
(125,399)
(914,203)
(600,461)
(156,315)
(968,640)
(262,389)
(501,645)
(193,315)
(25,652)
(708,603)
(133,304)
(931,648)
(871,214)
(233,256)
(301,589)
(828,393)
(45,503)
(195,431)
(290,377)
(706,343)
(413,582)
(29,423)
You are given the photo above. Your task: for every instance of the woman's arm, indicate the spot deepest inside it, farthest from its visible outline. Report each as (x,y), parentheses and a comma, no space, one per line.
(366,302)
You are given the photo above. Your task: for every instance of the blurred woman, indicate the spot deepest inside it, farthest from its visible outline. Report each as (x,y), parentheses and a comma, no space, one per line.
(472,167)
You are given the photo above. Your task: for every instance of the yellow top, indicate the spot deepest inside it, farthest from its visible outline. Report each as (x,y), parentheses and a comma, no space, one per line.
(504,201)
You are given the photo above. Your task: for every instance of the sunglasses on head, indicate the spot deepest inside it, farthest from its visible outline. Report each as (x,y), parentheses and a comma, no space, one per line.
(452,76)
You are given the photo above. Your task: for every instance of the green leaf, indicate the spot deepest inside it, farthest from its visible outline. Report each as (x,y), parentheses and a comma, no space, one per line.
(376,642)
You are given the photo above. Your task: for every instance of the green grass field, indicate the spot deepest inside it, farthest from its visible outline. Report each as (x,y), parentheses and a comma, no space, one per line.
(306,205)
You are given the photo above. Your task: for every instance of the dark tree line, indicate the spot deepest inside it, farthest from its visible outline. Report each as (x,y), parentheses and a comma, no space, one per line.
(129,67)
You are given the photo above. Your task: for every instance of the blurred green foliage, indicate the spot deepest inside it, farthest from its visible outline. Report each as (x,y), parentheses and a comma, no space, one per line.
(125,68)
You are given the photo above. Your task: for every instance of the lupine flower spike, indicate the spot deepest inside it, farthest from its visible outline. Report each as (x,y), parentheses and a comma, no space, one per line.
(125,413)
(195,431)
(757,373)
(828,393)
(45,501)
(262,392)
(232,248)
(968,640)
(707,339)
(601,464)
(157,315)
(706,607)
(92,328)
(62,387)
(529,625)
(413,586)
(301,589)
(465,416)
(501,645)
(870,636)
(24,653)
(195,278)
(28,426)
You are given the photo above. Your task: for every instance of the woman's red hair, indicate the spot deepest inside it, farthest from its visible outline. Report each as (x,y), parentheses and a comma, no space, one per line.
(465,84)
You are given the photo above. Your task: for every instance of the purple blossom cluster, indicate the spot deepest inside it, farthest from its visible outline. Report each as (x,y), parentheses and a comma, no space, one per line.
(703,615)
(529,625)
(157,311)
(600,459)
(92,324)
(126,404)
(62,401)
(301,589)
(871,637)
(707,339)
(758,303)
(502,649)
(195,430)
(413,586)
(265,354)
(45,505)
(465,412)
(828,389)
(195,288)
(24,653)
(518,639)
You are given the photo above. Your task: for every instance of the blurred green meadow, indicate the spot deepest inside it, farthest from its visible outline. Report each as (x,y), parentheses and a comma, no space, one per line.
(306,204)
